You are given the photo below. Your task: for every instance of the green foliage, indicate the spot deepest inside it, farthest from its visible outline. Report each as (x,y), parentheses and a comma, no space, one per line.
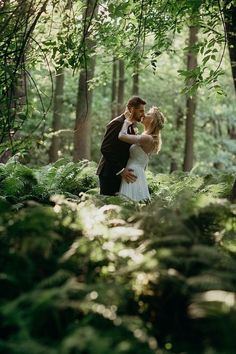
(82,273)
(16,179)
(19,182)
(103,275)
(199,189)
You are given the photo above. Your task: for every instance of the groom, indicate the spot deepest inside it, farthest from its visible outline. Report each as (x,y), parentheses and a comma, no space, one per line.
(115,153)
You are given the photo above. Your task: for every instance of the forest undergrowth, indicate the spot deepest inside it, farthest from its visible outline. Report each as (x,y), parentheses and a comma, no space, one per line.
(82,273)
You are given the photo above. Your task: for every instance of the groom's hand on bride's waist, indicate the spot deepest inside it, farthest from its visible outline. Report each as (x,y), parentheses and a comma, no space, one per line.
(128,175)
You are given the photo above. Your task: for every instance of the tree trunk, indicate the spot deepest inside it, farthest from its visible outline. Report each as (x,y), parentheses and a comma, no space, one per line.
(14,105)
(179,123)
(21,88)
(82,135)
(233,193)
(190,105)
(58,103)
(135,90)
(114,89)
(17,94)
(230,26)
(57,111)
(121,87)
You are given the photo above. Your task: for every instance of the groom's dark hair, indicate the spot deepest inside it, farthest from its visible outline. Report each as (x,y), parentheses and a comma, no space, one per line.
(135,102)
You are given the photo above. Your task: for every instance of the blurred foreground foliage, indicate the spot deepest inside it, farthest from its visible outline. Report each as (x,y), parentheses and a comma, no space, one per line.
(86,274)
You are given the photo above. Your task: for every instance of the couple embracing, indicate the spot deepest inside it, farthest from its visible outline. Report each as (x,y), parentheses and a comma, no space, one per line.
(125,155)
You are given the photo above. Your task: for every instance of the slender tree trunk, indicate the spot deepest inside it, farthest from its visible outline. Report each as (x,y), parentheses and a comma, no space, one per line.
(18,92)
(121,87)
(114,89)
(231,131)
(233,193)
(58,103)
(57,111)
(82,135)
(179,122)
(135,90)
(190,105)
(230,26)
(21,89)
(232,135)
(16,101)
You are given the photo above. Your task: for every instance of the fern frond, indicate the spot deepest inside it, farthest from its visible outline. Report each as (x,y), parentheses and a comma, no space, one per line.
(173,240)
(208,281)
(12,186)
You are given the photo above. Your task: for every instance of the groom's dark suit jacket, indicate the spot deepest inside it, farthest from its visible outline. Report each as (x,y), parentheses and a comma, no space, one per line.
(115,153)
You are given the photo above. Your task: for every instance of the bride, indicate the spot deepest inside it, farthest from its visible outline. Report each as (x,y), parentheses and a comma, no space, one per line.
(142,147)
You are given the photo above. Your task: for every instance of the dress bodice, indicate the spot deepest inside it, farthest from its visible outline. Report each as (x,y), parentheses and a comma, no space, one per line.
(137,191)
(138,156)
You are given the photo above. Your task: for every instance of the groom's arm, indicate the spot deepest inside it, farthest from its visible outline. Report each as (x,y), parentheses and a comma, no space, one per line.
(107,148)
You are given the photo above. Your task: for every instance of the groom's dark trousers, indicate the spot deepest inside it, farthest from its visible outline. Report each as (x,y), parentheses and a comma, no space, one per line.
(115,155)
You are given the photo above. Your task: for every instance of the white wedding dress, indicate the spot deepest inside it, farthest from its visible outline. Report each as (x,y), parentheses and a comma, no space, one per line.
(138,190)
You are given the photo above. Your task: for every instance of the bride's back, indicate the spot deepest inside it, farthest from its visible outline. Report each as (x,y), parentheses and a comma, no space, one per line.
(138,156)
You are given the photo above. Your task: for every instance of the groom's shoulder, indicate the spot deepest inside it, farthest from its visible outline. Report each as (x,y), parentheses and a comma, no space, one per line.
(119,119)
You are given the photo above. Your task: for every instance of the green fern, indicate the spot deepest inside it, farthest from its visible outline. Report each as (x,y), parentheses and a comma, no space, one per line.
(12,186)
(111,271)
(208,281)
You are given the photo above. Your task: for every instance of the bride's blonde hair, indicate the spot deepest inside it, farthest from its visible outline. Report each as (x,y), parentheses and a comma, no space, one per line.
(155,127)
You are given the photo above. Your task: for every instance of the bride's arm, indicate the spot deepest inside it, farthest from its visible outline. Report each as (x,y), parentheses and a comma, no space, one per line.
(128,138)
